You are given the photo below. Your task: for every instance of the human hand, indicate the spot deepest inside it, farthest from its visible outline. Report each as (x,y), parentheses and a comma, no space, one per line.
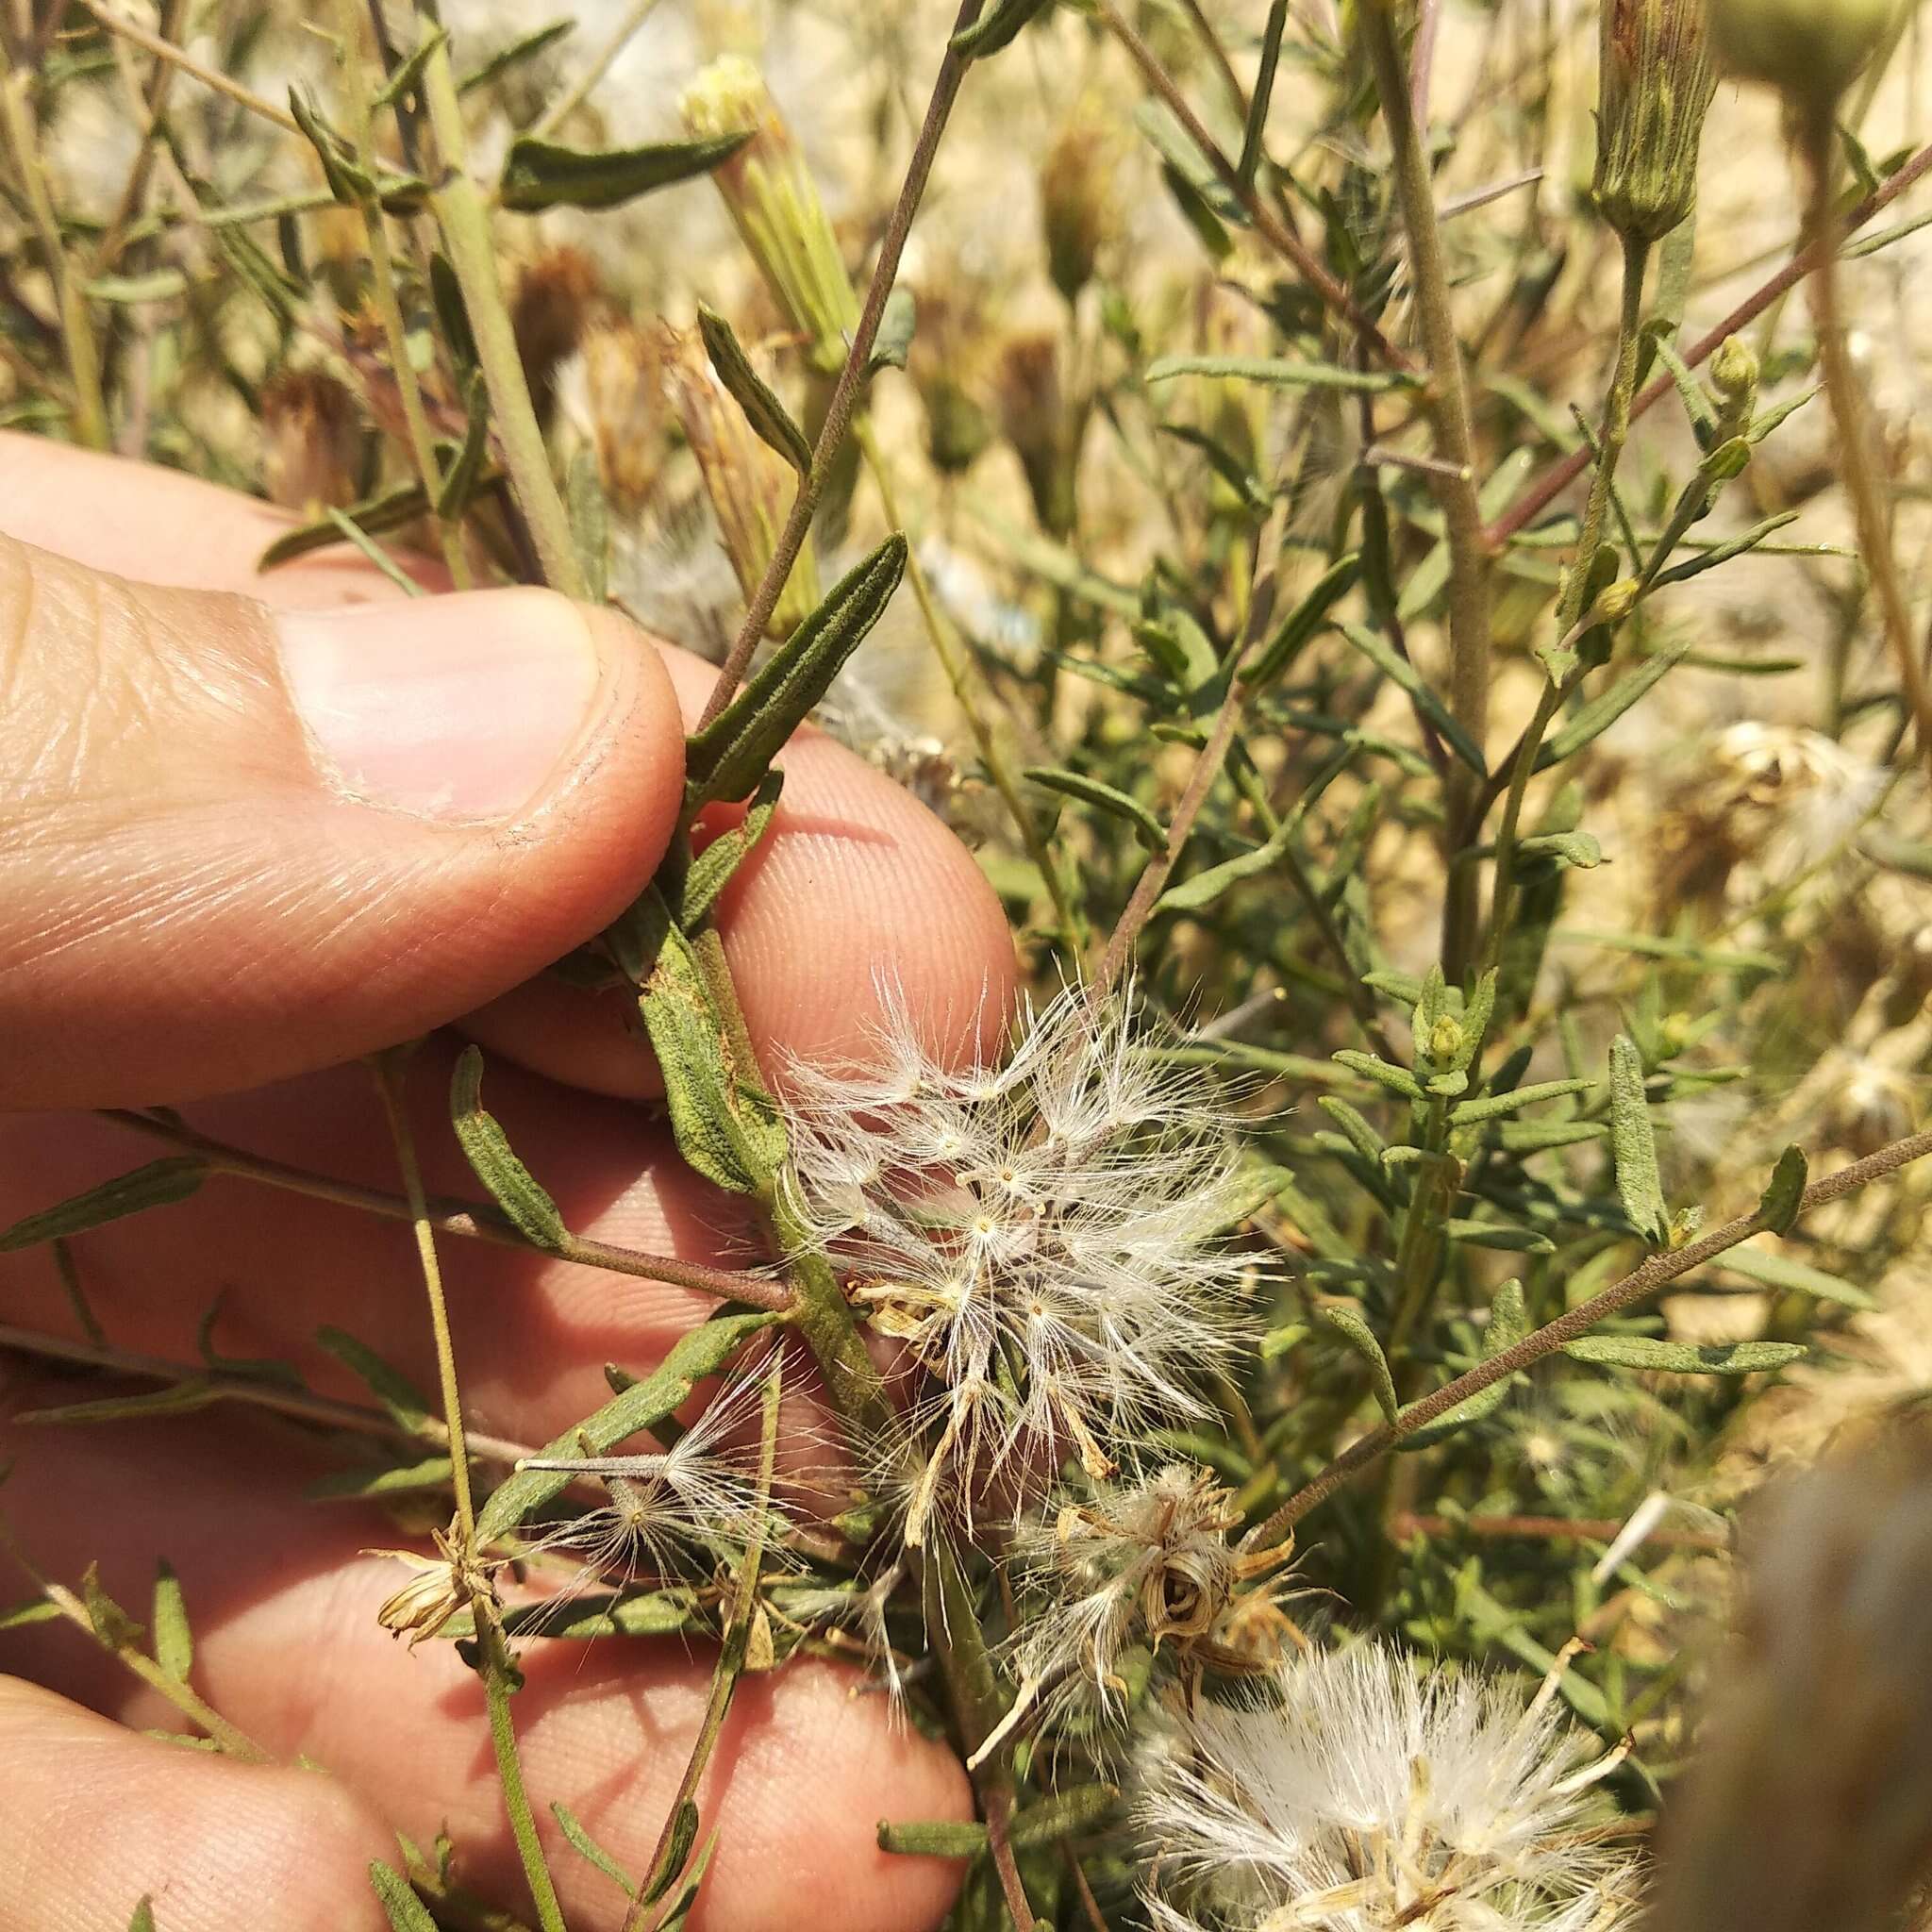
(246,841)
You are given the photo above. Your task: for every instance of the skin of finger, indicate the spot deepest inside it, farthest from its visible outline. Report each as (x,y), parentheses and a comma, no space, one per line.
(856,887)
(178,870)
(97,1816)
(283,1609)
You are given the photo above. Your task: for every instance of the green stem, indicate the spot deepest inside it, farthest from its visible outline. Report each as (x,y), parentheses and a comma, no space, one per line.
(1456,489)
(491,1653)
(464,219)
(76,332)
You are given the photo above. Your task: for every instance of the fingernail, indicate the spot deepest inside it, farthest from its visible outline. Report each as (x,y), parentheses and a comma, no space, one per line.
(447,707)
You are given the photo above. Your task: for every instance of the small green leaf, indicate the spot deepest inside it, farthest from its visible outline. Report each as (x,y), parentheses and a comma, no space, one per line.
(1633,1143)
(587,1847)
(762,409)
(172,1640)
(684,1831)
(1769,1269)
(1601,712)
(544,174)
(1398,670)
(374,515)
(163,285)
(143,1918)
(407,1913)
(510,1184)
(1777,1207)
(1360,1135)
(936,1837)
(349,181)
(892,340)
(1201,889)
(1102,797)
(409,70)
(729,755)
(112,1624)
(179,1398)
(159,1184)
(1508,1325)
(996,29)
(465,473)
(434,1473)
(1497,1234)
(1301,623)
(1279,374)
(1064,1814)
(712,869)
(1384,1072)
(519,51)
(1682,1358)
(1348,1321)
(1578,849)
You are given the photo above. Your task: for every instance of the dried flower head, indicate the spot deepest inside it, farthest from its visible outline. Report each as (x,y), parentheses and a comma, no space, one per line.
(775,205)
(311,441)
(702,1491)
(439,1590)
(1146,1562)
(612,395)
(750,486)
(1366,1798)
(1036,420)
(1046,1236)
(1654,81)
(549,313)
(1077,211)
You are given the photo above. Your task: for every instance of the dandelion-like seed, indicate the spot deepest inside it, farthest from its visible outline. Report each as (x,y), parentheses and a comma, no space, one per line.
(700,1491)
(1142,1561)
(1367,1798)
(1046,1236)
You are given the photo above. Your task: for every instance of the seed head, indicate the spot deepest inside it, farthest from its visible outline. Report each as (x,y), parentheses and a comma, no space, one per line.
(1046,1236)
(311,441)
(1654,81)
(1365,1798)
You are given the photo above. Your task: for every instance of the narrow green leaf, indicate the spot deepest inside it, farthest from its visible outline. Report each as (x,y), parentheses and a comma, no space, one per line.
(1682,1358)
(374,516)
(1493,1105)
(407,1480)
(1201,889)
(891,342)
(1348,1321)
(684,1831)
(1508,1325)
(112,1624)
(1360,1135)
(1633,1143)
(407,1913)
(1777,1207)
(179,1398)
(701,1352)
(1602,712)
(729,755)
(464,476)
(1279,374)
(996,29)
(588,1848)
(1301,623)
(509,1183)
(515,55)
(1769,1269)
(1497,1234)
(143,1918)
(1723,552)
(712,869)
(1535,1137)
(163,285)
(936,1837)
(1578,849)
(1384,1072)
(159,1184)
(1398,670)
(676,1912)
(1102,797)
(347,180)
(409,70)
(762,409)
(173,1643)
(1253,135)
(544,174)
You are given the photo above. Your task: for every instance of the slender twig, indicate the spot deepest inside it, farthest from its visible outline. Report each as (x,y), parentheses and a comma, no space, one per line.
(1455,491)
(850,387)
(1267,221)
(463,216)
(1549,1528)
(492,1659)
(1658,1271)
(152,102)
(471,1220)
(580,90)
(1857,471)
(1560,475)
(178,57)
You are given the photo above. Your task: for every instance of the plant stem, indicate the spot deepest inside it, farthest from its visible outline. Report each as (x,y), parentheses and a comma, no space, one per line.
(1455,491)
(1556,691)
(1268,221)
(209,77)
(76,331)
(471,1220)
(847,391)
(464,218)
(493,1662)
(1560,475)
(1858,468)
(1657,1272)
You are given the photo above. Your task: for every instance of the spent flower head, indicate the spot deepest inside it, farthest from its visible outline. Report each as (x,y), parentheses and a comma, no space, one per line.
(1046,1236)
(1364,1797)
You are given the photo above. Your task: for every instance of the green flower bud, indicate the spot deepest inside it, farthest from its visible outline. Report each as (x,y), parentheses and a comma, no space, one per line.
(1811,49)
(1734,376)
(1445,1040)
(1654,85)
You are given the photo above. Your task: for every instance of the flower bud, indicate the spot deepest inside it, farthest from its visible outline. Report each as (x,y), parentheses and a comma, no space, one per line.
(775,205)
(750,485)
(1653,85)
(1811,49)
(1036,420)
(1734,376)
(1077,211)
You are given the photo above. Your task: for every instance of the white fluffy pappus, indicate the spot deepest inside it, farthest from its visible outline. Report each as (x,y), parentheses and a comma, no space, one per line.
(1048,1236)
(1364,1797)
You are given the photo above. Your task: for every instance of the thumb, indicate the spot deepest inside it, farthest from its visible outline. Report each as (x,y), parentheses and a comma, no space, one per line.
(237,844)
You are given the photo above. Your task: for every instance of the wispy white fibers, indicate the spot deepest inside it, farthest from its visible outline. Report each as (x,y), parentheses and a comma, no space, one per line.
(1046,1236)
(1359,1796)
